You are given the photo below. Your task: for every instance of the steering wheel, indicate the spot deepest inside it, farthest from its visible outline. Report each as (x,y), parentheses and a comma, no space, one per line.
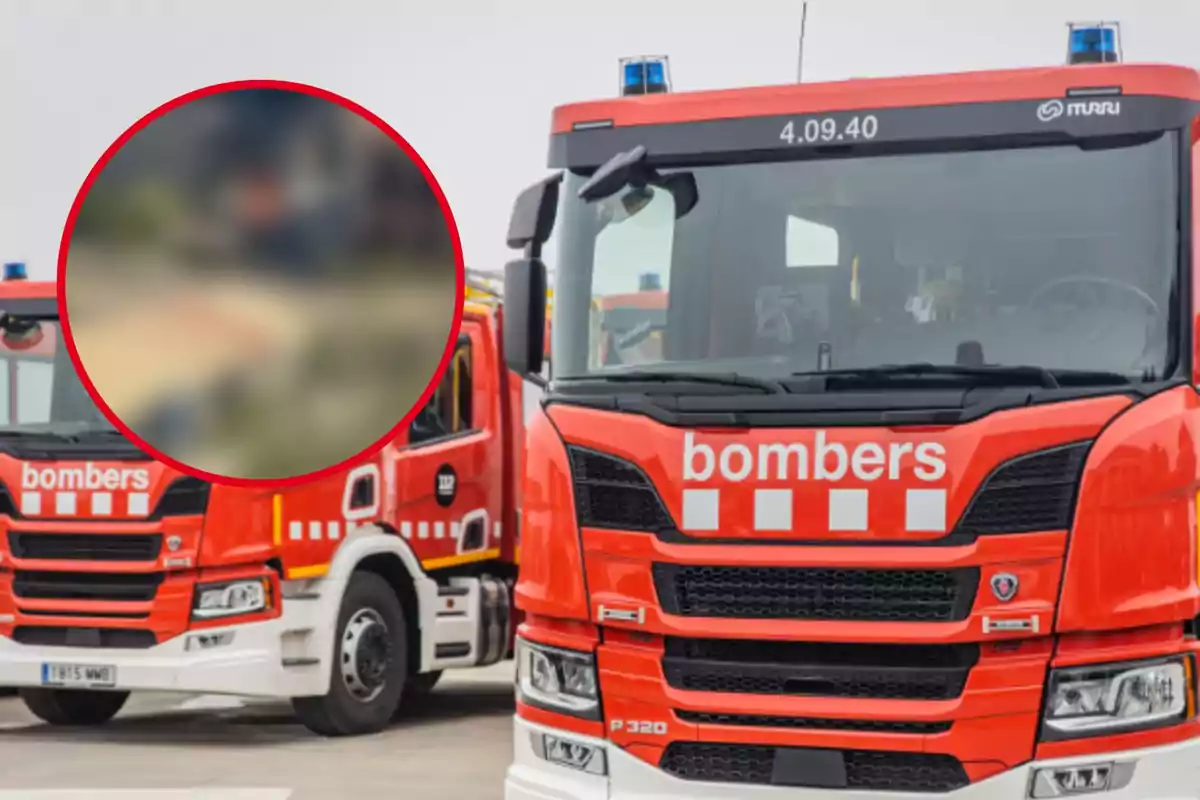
(1096,282)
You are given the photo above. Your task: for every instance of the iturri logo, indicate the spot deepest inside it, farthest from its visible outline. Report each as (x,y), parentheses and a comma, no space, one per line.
(1053,109)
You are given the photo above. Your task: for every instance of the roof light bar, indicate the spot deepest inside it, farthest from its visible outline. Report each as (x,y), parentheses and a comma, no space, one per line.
(1094,43)
(645,75)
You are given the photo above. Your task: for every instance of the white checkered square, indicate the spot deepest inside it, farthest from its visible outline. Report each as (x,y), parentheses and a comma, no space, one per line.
(701,509)
(102,504)
(772,509)
(848,509)
(925,510)
(138,504)
(64,504)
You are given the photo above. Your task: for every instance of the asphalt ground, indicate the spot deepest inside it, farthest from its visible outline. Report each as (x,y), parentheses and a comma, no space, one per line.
(205,747)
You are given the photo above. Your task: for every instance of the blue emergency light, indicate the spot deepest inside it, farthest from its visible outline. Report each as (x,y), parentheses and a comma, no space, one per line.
(644,76)
(15,271)
(1094,44)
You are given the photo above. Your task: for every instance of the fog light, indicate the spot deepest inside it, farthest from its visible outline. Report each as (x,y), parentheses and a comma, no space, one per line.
(1082,779)
(207,641)
(570,753)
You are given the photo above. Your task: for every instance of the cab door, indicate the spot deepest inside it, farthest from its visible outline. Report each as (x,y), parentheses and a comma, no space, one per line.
(449,478)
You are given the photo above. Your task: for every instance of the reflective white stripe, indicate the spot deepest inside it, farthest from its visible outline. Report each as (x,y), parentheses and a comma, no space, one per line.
(88,504)
(332,530)
(848,510)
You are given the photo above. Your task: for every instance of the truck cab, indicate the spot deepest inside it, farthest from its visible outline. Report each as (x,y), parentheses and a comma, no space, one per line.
(349,594)
(907,502)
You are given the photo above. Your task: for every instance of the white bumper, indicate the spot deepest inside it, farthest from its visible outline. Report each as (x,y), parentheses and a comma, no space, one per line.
(251,662)
(1163,773)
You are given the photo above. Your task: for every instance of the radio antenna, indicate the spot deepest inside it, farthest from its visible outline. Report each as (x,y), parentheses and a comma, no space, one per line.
(800,56)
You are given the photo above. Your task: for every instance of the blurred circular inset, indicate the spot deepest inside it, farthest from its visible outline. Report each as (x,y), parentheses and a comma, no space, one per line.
(260,281)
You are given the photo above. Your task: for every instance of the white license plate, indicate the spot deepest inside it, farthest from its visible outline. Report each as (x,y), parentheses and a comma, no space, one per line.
(87,676)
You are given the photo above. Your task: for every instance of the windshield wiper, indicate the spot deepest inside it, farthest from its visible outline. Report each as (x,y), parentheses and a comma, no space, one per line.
(716,378)
(995,374)
(1019,374)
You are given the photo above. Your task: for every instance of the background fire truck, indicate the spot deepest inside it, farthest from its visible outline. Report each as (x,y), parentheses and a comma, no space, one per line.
(348,595)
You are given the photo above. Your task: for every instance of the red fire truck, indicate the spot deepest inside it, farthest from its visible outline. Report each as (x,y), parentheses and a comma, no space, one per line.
(347,594)
(908,503)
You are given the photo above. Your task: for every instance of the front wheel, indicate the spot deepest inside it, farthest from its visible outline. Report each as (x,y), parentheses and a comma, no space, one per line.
(73,706)
(422,683)
(417,691)
(369,663)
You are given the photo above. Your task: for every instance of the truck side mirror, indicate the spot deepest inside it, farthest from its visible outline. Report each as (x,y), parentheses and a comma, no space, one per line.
(529,227)
(525,316)
(532,219)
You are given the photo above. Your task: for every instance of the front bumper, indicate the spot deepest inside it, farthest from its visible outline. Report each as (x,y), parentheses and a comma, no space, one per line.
(1161,773)
(251,662)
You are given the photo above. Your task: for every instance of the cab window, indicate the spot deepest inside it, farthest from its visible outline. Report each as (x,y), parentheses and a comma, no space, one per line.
(450,411)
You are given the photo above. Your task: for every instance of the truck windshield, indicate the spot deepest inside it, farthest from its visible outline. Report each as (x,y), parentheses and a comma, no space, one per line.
(1060,257)
(40,392)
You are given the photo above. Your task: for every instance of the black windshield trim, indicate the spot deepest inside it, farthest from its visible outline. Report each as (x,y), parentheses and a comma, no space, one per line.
(840,410)
(44,309)
(963,125)
(1181,361)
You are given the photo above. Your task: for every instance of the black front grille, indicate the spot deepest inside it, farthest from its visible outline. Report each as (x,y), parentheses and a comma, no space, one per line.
(128,587)
(53,636)
(612,493)
(1035,492)
(813,723)
(888,671)
(866,770)
(86,546)
(876,595)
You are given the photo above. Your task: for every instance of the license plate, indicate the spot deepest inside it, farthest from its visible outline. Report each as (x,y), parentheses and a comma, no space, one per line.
(88,676)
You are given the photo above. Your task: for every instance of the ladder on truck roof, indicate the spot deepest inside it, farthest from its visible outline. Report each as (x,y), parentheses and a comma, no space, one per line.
(484,288)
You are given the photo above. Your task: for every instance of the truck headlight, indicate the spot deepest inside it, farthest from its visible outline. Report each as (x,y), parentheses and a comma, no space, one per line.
(1111,698)
(557,680)
(230,598)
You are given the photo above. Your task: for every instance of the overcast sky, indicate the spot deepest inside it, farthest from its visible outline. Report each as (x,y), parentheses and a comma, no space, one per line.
(470,83)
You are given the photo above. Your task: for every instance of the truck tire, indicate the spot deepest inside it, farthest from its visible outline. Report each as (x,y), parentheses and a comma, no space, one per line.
(416,691)
(422,683)
(370,663)
(73,706)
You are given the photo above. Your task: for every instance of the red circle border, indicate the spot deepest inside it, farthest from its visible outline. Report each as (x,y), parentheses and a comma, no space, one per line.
(312,91)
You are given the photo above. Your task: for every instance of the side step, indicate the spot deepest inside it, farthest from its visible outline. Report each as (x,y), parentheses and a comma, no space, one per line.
(472,623)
